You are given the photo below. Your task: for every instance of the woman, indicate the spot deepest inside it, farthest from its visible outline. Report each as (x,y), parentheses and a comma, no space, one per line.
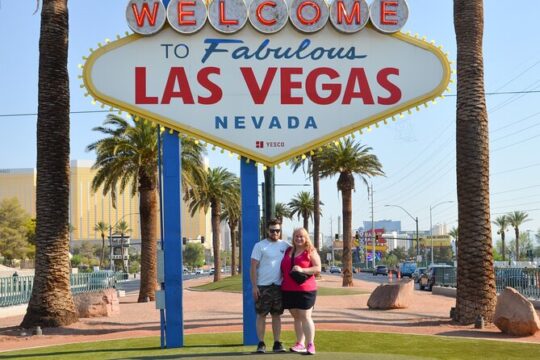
(300,298)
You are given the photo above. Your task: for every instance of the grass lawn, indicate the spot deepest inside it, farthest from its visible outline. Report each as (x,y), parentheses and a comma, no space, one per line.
(335,345)
(234,284)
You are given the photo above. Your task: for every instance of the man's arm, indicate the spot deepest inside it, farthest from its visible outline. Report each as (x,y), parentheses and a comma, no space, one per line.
(253,277)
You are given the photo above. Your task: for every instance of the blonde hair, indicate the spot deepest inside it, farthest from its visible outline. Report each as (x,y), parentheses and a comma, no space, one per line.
(309,245)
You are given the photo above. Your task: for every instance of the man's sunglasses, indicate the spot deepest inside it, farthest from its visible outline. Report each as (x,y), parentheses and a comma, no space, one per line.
(274,230)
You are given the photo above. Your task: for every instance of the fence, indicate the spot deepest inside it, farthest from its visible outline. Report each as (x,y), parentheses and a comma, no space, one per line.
(15,290)
(524,280)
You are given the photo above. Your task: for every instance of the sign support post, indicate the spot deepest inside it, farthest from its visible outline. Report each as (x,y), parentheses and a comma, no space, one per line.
(250,236)
(172,243)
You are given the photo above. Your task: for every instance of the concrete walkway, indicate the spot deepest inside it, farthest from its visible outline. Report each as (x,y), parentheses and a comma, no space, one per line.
(206,312)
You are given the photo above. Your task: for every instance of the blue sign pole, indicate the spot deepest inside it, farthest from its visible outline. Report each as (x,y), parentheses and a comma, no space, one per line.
(172,243)
(250,236)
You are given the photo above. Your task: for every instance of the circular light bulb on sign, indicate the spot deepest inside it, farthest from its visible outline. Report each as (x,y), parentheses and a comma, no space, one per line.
(146,17)
(268,16)
(389,16)
(187,16)
(349,16)
(227,16)
(309,16)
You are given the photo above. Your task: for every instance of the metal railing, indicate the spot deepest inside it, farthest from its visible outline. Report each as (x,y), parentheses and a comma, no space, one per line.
(524,280)
(16,290)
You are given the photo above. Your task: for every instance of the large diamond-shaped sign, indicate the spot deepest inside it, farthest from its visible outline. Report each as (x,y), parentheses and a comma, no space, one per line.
(267,97)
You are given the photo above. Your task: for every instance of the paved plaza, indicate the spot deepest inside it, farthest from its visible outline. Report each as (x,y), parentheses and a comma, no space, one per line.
(205,312)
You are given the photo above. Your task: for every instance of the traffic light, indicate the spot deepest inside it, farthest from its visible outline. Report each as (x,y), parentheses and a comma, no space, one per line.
(337,236)
(357,236)
(202,239)
(377,237)
(184,240)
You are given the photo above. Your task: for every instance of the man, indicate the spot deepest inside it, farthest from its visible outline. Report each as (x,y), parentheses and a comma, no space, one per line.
(265,274)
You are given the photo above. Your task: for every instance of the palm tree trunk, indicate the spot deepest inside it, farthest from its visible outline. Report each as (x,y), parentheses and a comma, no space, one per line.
(51,302)
(316,201)
(476,294)
(516,230)
(233,249)
(239,246)
(347,237)
(306,221)
(148,208)
(216,212)
(503,246)
(102,251)
(345,184)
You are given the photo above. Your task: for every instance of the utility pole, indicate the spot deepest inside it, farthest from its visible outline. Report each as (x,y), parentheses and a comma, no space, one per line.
(372,226)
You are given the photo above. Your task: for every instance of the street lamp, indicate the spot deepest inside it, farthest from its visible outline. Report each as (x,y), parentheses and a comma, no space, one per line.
(416,221)
(431,207)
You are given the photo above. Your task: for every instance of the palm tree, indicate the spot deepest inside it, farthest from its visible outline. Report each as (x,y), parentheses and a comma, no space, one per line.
(217,190)
(310,165)
(283,211)
(476,293)
(515,219)
(502,222)
(51,303)
(302,206)
(347,159)
(102,227)
(128,155)
(231,213)
(122,228)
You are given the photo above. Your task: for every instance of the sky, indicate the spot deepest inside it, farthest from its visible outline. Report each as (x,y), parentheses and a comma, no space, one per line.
(417,152)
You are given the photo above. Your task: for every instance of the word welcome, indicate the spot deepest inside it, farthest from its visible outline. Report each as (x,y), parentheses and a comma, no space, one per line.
(147,17)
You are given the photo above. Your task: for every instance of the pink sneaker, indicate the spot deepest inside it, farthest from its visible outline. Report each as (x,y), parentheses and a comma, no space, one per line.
(298,348)
(311,349)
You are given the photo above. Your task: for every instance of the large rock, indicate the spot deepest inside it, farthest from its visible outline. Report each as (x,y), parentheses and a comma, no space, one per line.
(515,315)
(98,303)
(392,296)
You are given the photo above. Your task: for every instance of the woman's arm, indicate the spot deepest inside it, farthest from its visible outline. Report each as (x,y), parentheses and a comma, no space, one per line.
(315,267)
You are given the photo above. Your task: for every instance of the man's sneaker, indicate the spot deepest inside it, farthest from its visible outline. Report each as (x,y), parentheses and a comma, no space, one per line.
(261,347)
(298,348)
(310,350)
(278,347)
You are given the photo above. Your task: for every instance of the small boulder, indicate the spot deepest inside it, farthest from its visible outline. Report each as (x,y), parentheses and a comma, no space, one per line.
(392,296)
(515,315)
(97,303)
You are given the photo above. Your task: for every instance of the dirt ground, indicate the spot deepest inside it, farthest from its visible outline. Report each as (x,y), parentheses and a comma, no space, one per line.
(204,312)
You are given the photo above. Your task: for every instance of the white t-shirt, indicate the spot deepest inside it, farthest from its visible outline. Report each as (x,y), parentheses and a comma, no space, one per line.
(269,255)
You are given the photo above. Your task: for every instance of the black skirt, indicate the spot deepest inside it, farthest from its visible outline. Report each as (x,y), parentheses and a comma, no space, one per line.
(303,300)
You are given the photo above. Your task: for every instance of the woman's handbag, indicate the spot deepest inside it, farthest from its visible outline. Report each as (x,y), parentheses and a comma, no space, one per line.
(297,276)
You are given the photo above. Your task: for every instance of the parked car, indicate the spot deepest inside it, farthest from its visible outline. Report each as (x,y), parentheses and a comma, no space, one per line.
(380,270)
(444,274)
(335,270)
(199,271)
(417,273)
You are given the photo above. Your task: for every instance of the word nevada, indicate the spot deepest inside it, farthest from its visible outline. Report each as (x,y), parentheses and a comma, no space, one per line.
(147,17)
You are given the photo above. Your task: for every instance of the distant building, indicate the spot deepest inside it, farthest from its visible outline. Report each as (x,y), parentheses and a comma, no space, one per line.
(88,208)
(440,229)
(388,225)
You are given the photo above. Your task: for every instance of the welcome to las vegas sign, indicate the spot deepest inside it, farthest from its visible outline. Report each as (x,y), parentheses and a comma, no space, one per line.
(269,95)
